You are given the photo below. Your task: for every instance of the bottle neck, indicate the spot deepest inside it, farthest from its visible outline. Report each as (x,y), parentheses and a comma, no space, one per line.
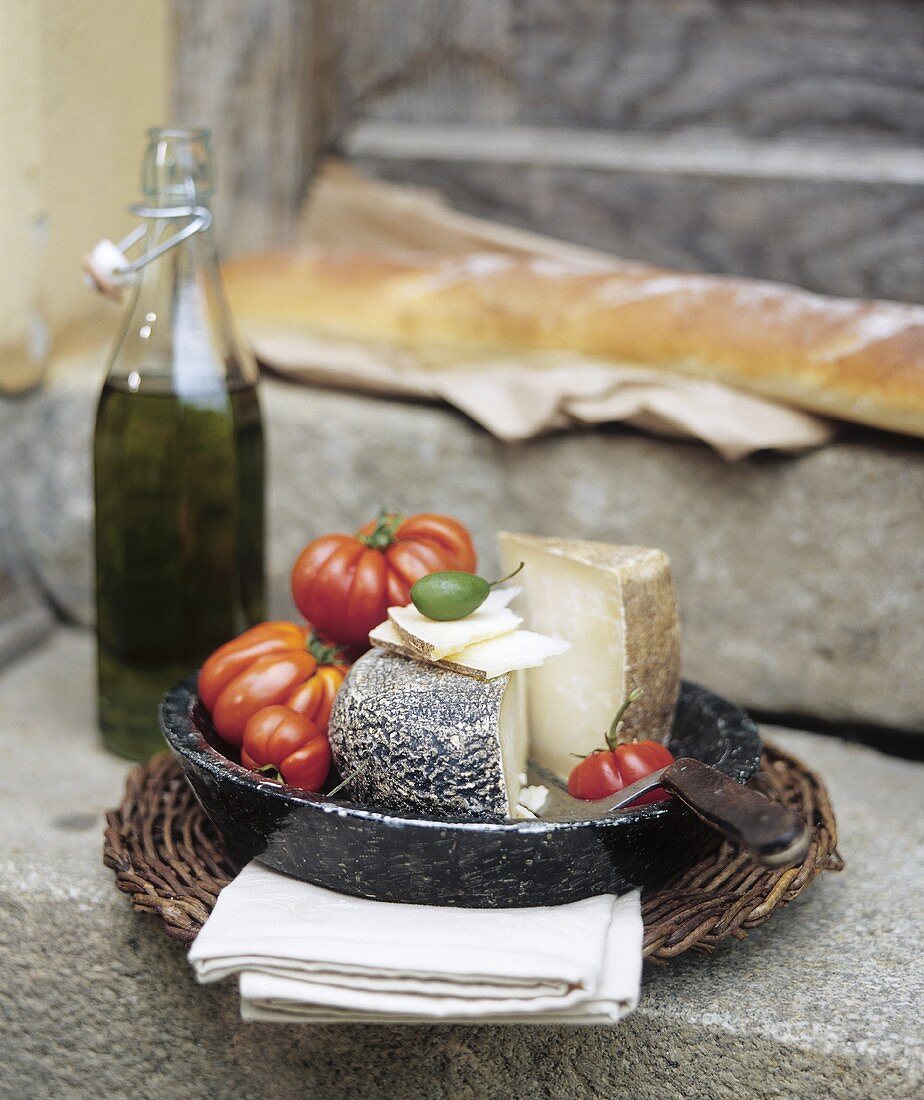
(177,168)
(177,336)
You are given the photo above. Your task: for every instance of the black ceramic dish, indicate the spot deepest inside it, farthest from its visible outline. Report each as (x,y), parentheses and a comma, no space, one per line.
(359,850)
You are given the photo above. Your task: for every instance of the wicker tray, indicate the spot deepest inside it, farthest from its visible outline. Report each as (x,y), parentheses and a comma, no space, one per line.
(171,862)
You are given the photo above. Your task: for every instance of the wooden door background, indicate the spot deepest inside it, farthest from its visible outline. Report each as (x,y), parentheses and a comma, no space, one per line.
(777,138)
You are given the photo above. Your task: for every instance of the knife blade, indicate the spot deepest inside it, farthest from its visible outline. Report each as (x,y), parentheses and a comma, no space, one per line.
(577,809)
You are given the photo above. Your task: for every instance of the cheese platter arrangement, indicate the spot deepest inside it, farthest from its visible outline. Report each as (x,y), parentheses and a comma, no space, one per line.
(436,738)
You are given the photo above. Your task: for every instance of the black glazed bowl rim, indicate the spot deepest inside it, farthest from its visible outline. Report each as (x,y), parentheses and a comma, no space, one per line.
(182,715)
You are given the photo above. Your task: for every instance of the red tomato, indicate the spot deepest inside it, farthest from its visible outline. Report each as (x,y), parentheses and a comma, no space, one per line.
(609,770)
(287,745)
(345,583)
(273,663)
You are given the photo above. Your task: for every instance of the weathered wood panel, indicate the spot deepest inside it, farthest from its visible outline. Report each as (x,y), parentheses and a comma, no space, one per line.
(718,154)
(278,79)
(432,60)
(245,68)
(833,237)
(757,67)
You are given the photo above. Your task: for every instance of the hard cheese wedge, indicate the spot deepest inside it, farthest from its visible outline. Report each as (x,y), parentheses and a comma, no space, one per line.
(415,737)
(431,640)
(616,606)
(484,660)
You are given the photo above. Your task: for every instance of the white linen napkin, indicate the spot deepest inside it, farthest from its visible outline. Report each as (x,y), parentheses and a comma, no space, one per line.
(308,954)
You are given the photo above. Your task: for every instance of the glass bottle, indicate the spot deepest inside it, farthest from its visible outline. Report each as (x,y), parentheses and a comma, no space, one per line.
(178,461)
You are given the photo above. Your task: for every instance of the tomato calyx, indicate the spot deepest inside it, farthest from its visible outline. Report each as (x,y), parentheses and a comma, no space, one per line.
(324,652)
(584,755)
(385,531)
(270,771)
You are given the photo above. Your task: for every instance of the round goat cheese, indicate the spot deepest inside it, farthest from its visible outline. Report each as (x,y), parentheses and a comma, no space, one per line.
(410,736)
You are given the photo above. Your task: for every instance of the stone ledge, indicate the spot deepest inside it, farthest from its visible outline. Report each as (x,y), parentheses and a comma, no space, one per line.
(800,579)
(96,1001)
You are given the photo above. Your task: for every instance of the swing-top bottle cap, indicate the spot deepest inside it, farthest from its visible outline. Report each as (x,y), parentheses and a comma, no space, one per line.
(177,166)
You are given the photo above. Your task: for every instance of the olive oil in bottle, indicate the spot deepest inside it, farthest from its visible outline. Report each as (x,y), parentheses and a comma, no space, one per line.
(178,461)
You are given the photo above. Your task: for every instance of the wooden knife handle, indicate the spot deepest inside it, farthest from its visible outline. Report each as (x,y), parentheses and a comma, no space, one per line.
(774,835)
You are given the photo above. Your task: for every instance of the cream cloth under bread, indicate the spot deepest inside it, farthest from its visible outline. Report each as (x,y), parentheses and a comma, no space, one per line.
(303,953)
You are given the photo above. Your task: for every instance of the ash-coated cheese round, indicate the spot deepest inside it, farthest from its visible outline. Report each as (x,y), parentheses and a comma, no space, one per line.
(413,737)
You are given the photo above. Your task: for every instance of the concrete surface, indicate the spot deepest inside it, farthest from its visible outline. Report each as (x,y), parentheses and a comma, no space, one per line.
(95,1001)
(801,580)
(25,616)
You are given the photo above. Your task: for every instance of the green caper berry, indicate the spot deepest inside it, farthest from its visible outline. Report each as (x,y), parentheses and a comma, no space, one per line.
(449,595)
(452,595)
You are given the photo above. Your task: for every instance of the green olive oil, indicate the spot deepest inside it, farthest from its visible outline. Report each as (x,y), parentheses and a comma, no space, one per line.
(179,543)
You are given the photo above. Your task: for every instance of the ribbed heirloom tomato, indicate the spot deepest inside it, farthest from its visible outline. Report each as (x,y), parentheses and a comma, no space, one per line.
(273,663)
(286,745)
(344,584)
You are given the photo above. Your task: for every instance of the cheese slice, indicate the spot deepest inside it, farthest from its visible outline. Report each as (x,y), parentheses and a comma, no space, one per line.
(616,606)
(510,652)
(484,660)
(410,736)
(432,640)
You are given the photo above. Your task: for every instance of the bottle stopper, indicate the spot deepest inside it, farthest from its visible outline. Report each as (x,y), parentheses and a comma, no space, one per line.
(105,270)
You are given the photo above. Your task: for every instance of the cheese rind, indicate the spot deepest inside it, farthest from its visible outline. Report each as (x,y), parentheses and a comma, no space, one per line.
(616,605)
(484,660)
(410,736)
(432,640)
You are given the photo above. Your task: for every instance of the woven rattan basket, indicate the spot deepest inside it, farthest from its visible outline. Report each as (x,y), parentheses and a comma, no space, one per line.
(171,862)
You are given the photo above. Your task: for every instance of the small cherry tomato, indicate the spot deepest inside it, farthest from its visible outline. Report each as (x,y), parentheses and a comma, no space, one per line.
(288,746)
(596,776)
(640,758)
(609,770)
(621,763)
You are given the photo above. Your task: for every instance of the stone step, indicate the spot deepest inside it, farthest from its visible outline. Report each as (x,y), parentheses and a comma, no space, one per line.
(823,1000)
(801,579)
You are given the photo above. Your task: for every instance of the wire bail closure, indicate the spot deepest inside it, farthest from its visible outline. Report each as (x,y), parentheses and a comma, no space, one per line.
(109,269)
(201,220)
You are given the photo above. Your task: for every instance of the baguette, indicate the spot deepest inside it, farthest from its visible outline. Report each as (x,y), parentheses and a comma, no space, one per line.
(857,360)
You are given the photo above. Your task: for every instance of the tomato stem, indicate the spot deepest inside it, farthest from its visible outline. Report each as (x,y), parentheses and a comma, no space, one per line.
(343,782)
(612,734)
(383,534)
(509,576)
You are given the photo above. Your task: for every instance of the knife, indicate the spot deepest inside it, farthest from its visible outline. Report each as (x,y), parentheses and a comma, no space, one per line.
(774,835)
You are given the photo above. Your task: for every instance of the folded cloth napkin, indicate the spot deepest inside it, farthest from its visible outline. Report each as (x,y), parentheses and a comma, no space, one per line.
(303,953)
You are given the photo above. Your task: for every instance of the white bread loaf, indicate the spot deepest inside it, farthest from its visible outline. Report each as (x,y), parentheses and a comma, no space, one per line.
(858,360)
